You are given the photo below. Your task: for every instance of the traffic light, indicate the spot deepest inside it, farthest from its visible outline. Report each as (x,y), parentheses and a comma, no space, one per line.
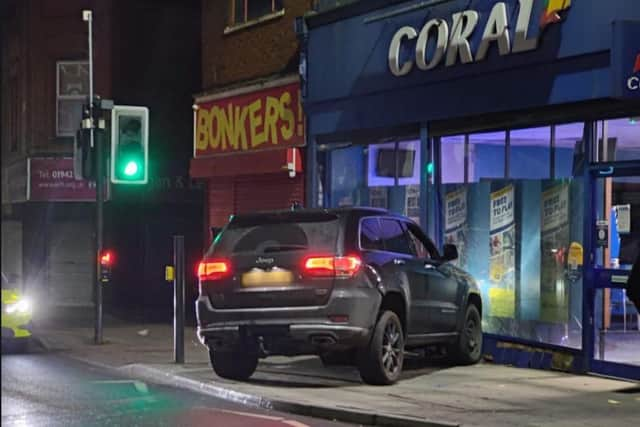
(129,145)
(106,262)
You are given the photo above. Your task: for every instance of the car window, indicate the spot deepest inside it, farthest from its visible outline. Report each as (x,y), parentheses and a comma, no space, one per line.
(371,235)
(276,234)
(394,237)
(427,244)
(418,248)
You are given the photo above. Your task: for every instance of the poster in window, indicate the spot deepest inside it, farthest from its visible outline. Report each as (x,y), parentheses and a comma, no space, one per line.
(412,202)
(554,291)
(502,230)
(456,227)
(378,197)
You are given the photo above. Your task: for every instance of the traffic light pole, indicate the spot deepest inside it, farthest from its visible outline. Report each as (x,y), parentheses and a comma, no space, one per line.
(87,16)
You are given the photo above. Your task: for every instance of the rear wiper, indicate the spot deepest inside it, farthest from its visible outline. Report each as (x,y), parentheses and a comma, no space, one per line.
(281,248)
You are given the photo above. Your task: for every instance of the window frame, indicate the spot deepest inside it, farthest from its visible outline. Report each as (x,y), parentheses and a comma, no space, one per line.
(413,237)
(234,25)
(73,98)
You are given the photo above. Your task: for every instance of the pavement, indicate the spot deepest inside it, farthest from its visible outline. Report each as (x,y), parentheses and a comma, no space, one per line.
(430,393)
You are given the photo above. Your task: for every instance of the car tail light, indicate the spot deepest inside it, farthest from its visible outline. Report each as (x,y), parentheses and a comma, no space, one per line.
(332,266)
(214,269)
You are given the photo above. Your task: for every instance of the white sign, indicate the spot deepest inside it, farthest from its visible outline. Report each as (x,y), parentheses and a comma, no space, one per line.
(555,207)
(623,218)
(456,209)
(501,208)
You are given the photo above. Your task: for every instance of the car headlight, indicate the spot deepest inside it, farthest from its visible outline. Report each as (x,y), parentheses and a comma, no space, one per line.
(22,306)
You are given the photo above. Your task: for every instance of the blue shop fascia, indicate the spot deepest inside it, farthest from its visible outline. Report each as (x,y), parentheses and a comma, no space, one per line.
(488,122)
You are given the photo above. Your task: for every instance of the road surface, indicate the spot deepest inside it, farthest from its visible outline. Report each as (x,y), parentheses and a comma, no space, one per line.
(41,389)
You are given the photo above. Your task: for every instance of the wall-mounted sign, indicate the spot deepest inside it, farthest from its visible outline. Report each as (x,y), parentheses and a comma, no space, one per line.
(52,180)
(502,253)
(441,40)
(623,218)
(259,120)
(602,233)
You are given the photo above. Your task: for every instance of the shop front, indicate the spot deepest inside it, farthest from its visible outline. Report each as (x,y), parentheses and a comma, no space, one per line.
(505,128)
(246,149)
(49,236)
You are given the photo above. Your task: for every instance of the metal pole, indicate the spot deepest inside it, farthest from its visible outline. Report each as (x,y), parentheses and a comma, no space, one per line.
(87,15)
(178,299)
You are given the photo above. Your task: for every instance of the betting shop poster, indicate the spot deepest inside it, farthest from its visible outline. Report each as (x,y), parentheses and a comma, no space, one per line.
(502,295)
(456,228)
(554,293)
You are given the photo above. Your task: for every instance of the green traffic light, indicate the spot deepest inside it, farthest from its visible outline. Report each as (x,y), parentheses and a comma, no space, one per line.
(430,168)
(131,168)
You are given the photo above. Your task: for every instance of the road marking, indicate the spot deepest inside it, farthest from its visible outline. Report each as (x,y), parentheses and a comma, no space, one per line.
(138,385)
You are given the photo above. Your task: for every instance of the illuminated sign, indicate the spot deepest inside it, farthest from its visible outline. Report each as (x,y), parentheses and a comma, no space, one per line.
(452,40)
(259,120)
(633,83)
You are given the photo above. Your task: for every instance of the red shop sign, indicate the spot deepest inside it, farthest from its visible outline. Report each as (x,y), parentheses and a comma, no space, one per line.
(260,120)
(51,180)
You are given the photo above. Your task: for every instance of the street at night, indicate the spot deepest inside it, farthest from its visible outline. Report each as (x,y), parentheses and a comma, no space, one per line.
(304,213)
(40,389)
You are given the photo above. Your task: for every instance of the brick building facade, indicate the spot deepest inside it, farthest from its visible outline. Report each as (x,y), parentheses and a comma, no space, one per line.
(250,59)
(146,52)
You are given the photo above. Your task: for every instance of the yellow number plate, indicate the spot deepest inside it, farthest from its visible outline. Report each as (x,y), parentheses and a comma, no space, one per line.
(259,277)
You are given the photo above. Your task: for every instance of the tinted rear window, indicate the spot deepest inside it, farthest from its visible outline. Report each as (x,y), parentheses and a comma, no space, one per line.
(395,239)
(278,233)
(370,234)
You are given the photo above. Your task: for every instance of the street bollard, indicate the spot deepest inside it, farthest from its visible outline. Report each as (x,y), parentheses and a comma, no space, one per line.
(178,299)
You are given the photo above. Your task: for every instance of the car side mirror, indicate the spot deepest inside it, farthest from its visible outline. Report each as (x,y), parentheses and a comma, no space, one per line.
(450,252)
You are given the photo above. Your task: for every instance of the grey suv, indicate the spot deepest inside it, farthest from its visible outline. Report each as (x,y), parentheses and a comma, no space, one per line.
(355,286)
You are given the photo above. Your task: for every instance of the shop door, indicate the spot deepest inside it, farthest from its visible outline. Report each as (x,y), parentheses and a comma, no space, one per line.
(615,245)
(70,263)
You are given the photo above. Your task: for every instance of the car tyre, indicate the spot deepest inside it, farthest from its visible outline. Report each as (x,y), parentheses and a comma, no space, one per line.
(468,347)
(233,365)
(380,363)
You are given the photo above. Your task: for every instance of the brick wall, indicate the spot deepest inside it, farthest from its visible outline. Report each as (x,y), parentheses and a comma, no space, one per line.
(39,33)
(259,50)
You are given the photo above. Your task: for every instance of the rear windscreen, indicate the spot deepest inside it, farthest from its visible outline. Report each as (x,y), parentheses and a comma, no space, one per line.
(272,235)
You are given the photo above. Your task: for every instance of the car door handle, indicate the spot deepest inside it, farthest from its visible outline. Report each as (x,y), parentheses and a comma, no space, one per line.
(399,261)
(429,267)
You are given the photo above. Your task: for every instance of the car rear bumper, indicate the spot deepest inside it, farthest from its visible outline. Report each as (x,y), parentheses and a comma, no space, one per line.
(293,330)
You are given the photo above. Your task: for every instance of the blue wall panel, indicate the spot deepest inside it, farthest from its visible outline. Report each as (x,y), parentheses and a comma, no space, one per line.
(350,86)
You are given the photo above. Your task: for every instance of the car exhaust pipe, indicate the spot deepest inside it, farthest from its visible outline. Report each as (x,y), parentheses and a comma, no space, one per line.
(323,340)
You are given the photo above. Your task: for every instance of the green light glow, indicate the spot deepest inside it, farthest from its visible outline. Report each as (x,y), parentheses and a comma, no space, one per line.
(430,168)
(131,168)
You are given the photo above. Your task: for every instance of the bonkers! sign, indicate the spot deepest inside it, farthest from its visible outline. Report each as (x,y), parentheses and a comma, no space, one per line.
(265,119)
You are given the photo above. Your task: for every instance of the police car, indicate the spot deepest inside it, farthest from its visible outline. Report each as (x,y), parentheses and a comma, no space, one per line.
(16,317)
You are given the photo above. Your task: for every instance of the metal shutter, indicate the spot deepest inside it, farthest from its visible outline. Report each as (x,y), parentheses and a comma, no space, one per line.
(267,192)
(70,263)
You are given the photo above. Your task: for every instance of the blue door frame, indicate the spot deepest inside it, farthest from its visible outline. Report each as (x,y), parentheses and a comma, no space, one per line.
(597,277)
